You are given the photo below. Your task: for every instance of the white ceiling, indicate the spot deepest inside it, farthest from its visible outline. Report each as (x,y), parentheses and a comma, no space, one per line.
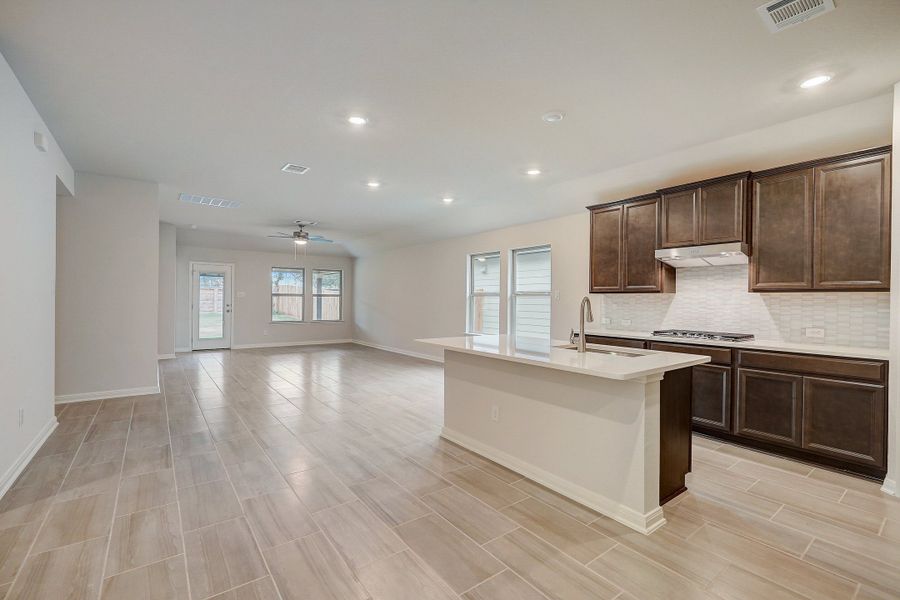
(212,98)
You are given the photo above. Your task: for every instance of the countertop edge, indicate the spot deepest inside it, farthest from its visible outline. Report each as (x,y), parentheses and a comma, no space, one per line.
(681,363)
(771,345)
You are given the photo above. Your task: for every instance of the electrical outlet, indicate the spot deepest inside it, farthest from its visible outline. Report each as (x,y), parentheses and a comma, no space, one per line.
(556,295)
(605,321)
(265,332)
(626,321)
(814,332)
(21,417)
(495,414)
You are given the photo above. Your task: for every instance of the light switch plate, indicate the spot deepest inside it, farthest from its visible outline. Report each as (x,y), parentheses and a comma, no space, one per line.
(605,320)
(814,332)
(626,321)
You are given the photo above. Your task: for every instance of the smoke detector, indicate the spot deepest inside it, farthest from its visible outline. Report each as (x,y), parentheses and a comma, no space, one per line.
(295,169)
(781,14)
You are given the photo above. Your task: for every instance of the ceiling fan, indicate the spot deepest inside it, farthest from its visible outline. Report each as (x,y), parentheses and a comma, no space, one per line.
(301,237)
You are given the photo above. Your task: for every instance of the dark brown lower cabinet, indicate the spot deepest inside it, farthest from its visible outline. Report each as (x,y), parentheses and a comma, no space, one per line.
(769,406)
(711,396)
(844,419)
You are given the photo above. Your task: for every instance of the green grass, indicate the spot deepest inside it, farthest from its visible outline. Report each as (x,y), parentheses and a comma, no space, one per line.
(211,326)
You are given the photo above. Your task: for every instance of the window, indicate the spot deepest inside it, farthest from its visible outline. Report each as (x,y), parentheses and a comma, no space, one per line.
(531,292)
(287,295)
(326,293)
(484,293)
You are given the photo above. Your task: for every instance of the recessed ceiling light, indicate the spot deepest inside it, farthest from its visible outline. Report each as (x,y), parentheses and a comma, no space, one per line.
(357,120)
(193,227)
(447,200)
(554,116)
(533,172)
(374,184)
(300,242)
(814,81)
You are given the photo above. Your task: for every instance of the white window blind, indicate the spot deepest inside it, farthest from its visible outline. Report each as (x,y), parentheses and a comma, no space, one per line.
(531,285)
(484,293)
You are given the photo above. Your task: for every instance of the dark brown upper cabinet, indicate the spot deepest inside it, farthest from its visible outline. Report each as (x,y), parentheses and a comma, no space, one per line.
(706,212)
(822,225)
(623,244)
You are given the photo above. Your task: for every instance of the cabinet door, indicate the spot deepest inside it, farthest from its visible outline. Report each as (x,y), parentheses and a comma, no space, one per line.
(678,219)
(722,209)
(782,225)
(711,397)
(852,232)
(641,272)
(769,405)
(845,420)
(606,249)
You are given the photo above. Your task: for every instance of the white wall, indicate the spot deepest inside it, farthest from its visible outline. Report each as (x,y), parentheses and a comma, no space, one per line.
(28,189)
(892,481)
(420,291)
(166,312)
(252,299)
(107,288)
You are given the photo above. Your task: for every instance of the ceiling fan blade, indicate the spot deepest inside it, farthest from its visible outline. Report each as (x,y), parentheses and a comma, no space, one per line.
(319,238)
(283,236)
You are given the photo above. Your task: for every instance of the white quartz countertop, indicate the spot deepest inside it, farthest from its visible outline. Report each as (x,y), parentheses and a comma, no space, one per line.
(774,345)
(626,364)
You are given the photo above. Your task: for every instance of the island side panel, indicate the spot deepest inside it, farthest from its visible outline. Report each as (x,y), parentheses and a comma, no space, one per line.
(592,439)
(675,433)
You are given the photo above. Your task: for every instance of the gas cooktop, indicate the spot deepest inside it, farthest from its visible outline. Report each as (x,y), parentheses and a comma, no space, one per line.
(704,335)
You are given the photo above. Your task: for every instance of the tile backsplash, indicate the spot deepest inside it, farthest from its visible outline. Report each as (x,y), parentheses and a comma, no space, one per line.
(716,299)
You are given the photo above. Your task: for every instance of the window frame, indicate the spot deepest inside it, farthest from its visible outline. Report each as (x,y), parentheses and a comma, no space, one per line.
(513,293)
(471,294)
(301,295)
(339,296)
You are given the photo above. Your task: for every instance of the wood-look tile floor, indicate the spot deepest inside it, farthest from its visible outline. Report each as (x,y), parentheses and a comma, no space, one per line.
(318,473)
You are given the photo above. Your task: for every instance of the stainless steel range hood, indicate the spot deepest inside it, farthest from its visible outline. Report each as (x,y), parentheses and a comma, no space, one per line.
(732,253)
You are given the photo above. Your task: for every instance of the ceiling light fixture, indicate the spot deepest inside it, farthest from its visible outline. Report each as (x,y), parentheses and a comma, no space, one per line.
(533,172)
(815,81)
(357,120)
(374,184)
(447,200)
(553,116)
(300,242)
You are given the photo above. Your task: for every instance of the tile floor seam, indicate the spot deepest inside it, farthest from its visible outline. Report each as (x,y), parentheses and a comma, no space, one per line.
(46,516)
(112,522)
(175,488)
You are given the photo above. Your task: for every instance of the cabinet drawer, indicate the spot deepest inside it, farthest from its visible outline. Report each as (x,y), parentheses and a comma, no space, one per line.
(612,341)
(718,356)
(870,370)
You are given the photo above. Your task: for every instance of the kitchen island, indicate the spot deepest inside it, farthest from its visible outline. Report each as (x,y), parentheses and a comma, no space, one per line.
(609,428)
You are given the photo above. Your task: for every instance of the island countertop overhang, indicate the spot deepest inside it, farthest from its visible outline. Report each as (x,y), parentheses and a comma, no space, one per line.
(622,366)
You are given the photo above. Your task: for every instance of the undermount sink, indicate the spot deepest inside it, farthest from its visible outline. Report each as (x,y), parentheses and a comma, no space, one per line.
(600,350)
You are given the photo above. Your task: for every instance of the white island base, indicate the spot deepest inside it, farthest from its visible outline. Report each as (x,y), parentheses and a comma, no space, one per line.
(593,439)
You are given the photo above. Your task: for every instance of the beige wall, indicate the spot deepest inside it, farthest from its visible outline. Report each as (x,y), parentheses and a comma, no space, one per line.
(420,291)
(107,288)
(28,189)
(252,299)
(166,320)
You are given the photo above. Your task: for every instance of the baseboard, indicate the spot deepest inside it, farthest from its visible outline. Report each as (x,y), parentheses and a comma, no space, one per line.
(139,391)
(890,487)
(165,356)
(427,357)
(177,350)
(289,344)
(22,461)
(645,523)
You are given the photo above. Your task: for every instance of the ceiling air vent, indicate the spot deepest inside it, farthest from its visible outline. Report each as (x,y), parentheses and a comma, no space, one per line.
(295,169)
(208,201)
(782,14)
